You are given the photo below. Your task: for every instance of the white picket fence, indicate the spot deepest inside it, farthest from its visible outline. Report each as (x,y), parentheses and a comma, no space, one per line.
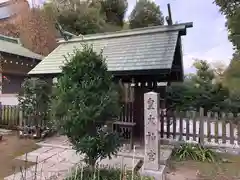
(216,133)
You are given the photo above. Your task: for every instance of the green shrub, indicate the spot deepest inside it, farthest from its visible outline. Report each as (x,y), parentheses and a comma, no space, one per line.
(194,152)
(106,174)
(85,98)
(34,100)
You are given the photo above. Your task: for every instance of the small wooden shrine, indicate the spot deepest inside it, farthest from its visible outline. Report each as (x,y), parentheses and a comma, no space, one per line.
(141,60)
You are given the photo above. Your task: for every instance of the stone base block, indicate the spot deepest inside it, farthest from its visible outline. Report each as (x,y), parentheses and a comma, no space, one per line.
(157,175)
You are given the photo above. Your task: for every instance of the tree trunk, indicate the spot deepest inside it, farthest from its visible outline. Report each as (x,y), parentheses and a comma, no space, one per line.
(91,164)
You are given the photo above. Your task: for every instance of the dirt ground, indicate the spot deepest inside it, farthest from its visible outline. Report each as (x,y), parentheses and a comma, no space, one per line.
(190,170)
(11,147)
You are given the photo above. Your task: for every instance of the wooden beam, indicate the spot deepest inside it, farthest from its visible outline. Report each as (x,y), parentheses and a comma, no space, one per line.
(170,21)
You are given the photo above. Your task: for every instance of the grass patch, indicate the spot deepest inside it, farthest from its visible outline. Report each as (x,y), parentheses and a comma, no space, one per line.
(195,152)
(11,147)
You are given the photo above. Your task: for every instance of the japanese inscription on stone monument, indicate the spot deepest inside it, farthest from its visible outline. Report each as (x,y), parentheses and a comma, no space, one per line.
(151,110)
(151,120)
(150,103)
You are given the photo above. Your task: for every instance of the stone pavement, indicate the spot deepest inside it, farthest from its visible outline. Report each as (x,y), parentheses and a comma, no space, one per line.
(51,162)
(56,158)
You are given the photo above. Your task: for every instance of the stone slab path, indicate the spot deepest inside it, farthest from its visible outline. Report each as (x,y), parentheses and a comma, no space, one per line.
(51,162)
(55,159)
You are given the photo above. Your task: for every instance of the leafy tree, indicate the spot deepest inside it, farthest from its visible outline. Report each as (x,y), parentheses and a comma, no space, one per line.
(115,11)
(231,9)
(34,100)
(145,13)
(34,28)
(181,96)
(37,32)
(232,76)
(85,98)
(9,29)
(50,10)
(200,90)
(85,19)
(211,93)
(228,7)
(219,70)
(233,24)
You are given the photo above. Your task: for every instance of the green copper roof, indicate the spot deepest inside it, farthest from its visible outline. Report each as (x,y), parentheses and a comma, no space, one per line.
(13,46)
(139,49)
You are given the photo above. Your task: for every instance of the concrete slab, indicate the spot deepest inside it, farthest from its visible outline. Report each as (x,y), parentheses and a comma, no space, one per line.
(57,140)
(30,158)
(41,150)
(57,159)
(119,162)
(39,157)
(157,175)
(63,166)
(70,156)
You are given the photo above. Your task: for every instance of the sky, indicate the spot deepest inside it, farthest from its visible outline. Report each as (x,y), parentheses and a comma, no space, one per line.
(207,40)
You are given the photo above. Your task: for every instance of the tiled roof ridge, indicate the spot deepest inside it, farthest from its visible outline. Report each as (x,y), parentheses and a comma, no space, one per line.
(130,32)
(10,39)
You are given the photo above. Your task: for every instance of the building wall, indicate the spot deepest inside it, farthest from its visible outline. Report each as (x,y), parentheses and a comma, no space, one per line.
(10,89)
(15,70)
(9,99)
(12,85)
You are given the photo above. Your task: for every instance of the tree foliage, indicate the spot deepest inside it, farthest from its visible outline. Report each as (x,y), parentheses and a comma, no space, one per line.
(88,17)
(232,76)
(85,98)
(231,9)
(115,11)
(145,13)
(9,29)
(34,100)
(85,20)
(35,29)
(37,32)
(200,90)
(228,7)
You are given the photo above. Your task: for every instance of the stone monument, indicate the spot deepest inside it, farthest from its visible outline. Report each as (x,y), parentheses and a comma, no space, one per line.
(152,141)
